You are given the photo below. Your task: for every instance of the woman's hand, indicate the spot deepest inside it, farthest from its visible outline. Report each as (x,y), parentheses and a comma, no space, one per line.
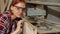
(19,29)
(20,23)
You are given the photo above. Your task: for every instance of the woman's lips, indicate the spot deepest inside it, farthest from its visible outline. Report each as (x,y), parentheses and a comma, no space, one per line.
(20,14)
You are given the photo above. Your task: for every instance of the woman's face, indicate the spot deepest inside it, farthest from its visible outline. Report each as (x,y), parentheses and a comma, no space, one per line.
(18,9)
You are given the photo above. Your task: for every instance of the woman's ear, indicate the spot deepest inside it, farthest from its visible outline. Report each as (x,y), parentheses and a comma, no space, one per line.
(12,7)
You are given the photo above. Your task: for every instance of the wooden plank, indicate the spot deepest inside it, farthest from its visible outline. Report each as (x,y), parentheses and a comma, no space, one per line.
(44,3)
(9,4)
(55,28)
(3,5)
(54,12)
(0,7)
(50,21)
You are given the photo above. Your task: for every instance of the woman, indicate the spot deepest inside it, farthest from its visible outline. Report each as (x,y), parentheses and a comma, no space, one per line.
(8,22)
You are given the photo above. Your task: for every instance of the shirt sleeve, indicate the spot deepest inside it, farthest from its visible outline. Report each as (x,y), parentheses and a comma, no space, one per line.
(4,24)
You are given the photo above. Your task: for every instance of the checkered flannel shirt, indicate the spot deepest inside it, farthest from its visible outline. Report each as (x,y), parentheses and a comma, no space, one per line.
(6,25)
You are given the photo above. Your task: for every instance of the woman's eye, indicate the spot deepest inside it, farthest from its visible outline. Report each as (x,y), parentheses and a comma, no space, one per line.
(18,8)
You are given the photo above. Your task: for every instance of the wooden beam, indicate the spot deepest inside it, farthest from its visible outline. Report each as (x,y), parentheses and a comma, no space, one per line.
(44,3)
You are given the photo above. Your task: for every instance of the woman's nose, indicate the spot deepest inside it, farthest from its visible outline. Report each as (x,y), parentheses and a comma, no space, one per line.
(20,10)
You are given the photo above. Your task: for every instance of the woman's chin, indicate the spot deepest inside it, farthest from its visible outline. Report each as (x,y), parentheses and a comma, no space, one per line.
(18,16)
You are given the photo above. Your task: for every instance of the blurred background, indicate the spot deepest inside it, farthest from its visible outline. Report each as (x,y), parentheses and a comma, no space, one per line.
(45,11)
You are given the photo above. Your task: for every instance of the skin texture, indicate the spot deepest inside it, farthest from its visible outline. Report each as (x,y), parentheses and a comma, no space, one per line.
(17,13)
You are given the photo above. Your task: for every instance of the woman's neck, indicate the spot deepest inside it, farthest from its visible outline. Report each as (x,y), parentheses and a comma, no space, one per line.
(13,17)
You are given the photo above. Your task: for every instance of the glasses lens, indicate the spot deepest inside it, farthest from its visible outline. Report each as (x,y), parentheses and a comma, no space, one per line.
(23,9)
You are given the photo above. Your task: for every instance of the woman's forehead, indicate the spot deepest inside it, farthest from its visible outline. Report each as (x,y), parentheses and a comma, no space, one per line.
(20,4)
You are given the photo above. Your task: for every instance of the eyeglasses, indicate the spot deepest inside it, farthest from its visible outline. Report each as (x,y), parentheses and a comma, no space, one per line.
(23,9)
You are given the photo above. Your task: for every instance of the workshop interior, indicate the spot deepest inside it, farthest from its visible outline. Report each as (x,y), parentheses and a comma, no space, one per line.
(42,15)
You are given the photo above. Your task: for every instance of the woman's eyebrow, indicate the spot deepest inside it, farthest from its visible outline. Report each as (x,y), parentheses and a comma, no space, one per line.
(19,7)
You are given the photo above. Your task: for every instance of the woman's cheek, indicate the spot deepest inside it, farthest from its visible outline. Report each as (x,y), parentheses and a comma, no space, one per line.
(16,13)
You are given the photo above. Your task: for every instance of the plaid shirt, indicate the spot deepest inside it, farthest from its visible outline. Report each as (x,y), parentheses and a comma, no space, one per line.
(6,25)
